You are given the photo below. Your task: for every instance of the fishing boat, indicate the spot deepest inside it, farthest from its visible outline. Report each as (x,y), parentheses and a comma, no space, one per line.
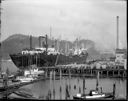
(33,72)
(25,79)
(95,94)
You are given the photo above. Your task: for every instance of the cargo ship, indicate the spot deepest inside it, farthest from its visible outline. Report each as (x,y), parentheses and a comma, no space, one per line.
(46,56)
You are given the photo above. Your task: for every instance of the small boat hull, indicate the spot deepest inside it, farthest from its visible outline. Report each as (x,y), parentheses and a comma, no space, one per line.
(99,96)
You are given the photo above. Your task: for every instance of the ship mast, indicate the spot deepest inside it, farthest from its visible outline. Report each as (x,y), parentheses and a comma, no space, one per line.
(77,45)
(0,54)
(30,42)
(46,43)
(117,41)
(50,32)
(39,41)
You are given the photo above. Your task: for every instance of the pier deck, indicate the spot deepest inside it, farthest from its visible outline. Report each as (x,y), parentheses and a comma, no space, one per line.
(88,72)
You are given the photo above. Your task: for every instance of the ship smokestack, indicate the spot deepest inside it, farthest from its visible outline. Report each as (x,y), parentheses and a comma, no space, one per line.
(30,41)
(117,40)
(39,41)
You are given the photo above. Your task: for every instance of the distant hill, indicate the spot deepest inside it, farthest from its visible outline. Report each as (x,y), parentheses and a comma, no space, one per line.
(16,43)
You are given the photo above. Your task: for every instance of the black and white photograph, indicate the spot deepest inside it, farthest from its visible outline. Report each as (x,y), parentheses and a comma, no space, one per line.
(63,50)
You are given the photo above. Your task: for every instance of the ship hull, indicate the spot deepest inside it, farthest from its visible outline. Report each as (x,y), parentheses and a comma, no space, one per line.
(23,61)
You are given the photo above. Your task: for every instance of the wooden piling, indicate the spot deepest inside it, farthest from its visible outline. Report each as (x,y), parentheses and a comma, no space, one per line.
(49,95)
(107,72)
(46,73)
(67,95)
(123,74)
(97,81)
(51,83)
(113,74)
(83,85)
(118,73)
(79,89)
(69,81)
(114,88)
(60,85)
(91,72)
(54,85)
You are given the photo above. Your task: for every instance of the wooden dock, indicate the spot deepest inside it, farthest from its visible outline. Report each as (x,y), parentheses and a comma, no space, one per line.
(87,72)
(14,86)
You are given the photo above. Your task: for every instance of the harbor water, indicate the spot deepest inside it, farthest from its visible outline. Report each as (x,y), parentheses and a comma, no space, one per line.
(41,88)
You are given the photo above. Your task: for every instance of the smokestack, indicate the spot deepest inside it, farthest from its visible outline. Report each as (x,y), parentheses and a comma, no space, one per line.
(39,41)
(117,40)
(30,41)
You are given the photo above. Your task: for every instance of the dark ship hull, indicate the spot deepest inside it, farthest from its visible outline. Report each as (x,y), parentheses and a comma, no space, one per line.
(23,61)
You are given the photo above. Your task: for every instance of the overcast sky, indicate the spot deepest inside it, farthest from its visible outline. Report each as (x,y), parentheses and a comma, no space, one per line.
(69,19)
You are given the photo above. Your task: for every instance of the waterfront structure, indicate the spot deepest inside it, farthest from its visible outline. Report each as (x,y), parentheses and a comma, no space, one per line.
(121,54)
(121,57)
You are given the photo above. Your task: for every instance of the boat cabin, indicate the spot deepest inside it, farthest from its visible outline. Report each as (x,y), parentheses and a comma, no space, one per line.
(93,92)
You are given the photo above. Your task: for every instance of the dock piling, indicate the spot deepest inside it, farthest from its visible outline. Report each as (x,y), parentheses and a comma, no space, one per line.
(83,85)
(60,85)
(54,85)
(114,88)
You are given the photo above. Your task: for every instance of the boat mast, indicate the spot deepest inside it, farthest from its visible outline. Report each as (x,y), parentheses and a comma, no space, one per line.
(46,43)
(59,43)
(117,41)
(30,62)
(55,44)
(0,45)
(65,48)
(50,32)
(39,41)
(0,53)
(30,42)
(77,45)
